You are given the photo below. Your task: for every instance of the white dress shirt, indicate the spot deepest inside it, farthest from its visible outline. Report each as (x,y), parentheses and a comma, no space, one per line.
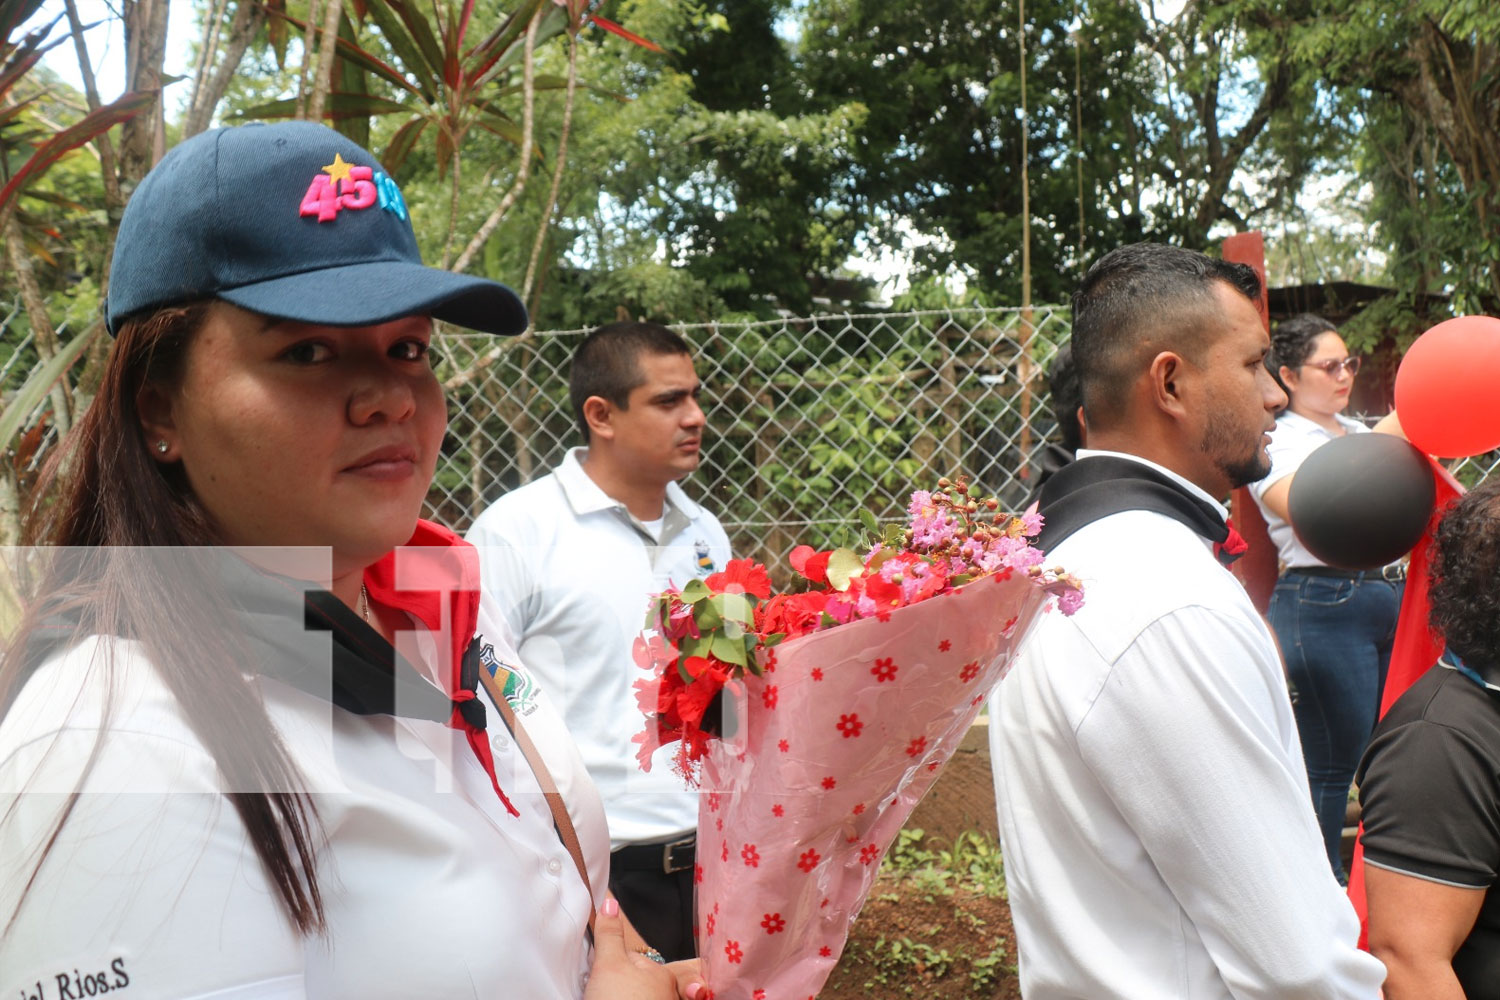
(572,572)
(431,888)
(1294,438)
(1158,835)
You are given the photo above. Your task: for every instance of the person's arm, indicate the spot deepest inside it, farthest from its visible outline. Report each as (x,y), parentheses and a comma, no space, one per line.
(619,973)
(1191,735)
(1274,497)
(1416,927)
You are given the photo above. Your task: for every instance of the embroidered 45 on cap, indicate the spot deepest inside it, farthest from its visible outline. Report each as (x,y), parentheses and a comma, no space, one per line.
(291,220)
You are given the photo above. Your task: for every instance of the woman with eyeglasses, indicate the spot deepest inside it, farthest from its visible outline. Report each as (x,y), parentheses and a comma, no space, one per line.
(1335,626)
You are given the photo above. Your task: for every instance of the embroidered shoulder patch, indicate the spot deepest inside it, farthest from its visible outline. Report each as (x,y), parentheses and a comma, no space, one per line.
(519,687)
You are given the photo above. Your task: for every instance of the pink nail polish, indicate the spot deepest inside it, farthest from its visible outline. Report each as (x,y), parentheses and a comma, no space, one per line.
(611,908)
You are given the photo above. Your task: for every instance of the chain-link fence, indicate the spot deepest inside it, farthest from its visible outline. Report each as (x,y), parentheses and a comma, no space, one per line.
(810,418)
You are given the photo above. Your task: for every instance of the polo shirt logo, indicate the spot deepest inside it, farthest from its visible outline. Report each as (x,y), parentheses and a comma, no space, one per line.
(705,560)
(344,185)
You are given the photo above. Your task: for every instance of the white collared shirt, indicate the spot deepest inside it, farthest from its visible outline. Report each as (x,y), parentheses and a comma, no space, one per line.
(572,572)
(431,888)
(1158,833)
(1294,438)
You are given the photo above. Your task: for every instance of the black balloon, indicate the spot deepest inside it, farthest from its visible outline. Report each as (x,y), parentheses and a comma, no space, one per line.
(1362,500)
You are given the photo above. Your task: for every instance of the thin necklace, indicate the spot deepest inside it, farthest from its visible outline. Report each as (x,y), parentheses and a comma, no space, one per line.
(364,603)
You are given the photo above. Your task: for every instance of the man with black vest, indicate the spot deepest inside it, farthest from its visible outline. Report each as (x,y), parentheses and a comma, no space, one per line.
(1153,803)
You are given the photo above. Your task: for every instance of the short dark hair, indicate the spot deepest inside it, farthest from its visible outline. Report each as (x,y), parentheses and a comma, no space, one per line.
(1067,396)
(1465,592)
(607,363)
(1292,344)
(1138,300)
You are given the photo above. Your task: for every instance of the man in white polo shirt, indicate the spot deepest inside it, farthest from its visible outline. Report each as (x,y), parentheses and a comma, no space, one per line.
(571,560)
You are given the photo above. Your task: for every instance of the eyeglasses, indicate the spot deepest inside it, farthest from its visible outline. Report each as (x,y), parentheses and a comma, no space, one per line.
(1331,368)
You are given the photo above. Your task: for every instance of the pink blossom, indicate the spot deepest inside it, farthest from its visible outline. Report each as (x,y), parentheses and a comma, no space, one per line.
(1031,521)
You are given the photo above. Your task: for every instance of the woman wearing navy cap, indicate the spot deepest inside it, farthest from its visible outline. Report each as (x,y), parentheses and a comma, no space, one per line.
(259,735)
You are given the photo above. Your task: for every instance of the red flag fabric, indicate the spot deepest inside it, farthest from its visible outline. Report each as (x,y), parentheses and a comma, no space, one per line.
(1414,650)
(440,571)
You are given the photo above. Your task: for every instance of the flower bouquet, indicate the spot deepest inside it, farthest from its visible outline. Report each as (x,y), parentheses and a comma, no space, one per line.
(814,722)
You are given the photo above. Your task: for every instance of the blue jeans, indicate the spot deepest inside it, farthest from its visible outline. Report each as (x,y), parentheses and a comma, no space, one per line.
(1335,634)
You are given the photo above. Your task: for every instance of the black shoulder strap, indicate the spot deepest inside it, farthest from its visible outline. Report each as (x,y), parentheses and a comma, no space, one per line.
(1097,486)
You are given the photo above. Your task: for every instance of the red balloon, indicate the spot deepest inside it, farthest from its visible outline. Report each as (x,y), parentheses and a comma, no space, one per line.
(1446,394)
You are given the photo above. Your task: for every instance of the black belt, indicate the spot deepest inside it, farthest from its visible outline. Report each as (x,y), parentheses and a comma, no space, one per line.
(668,858)
(1394,573)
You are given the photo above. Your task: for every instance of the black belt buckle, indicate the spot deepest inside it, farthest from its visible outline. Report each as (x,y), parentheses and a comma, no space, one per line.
(678,849)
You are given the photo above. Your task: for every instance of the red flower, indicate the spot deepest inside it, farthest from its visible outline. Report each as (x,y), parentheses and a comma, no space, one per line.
(859,807)
(750,855)
(769,696)
(791,614)
(868,854)
(817,673)
(810,563)
(710,922)
(825,951)
(758,995)
(809,860)
(916,746)
(828,783)
(783,746)
(724,854)
(850,725)
(773,923)
(778,811)
(969,672)
(882,616)
(944,646)
(733,952)
(884,670)
(771,660)
(697,874)
(741,576)
(713,801)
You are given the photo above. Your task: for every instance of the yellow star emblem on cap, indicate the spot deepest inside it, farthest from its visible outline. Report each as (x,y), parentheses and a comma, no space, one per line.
(338,169)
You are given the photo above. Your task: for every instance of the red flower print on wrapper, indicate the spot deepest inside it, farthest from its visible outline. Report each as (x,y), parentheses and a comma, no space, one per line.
(944,646)
(809,860)
(868,854)
(916,746)
(777,811)
(724,854)
(883,616)
(710,922)
(828,783)
(758,995)
(769,696)
(817,673)
(969,672)
(697,874)
(719,824)
(750,856)
(713,801)
(825,951)
(850,725)
(884,670)
(783,746)
(771,660)
(859,807)
(773,923)
(733,952)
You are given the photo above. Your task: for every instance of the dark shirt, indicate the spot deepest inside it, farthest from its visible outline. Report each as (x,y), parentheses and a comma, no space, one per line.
(1429,792)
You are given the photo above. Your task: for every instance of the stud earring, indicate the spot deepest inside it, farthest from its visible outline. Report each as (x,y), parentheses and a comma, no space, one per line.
(162,446)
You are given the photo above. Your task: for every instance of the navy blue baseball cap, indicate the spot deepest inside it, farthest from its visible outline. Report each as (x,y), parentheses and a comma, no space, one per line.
(291,220)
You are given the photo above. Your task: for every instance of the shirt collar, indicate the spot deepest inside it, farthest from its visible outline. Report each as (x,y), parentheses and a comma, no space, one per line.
(585,496)
(1190,487)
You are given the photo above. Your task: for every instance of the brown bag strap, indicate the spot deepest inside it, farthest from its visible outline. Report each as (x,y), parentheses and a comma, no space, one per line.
(560,818)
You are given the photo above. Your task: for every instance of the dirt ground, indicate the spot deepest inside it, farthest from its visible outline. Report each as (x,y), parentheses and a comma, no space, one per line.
(913,942)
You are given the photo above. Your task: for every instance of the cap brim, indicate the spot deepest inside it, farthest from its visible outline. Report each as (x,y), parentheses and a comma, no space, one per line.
(379,291)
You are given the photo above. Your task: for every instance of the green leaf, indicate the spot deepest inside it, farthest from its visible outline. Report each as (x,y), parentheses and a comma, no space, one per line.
(695,591)
(843,566)
(732,629)
(774,639)
(868,520)
(701,646)
(738,607)
(708,615)
(40,382)
(729,650)
(90,126)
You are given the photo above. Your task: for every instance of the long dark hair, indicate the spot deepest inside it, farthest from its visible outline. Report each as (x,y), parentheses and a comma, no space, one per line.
(101,493)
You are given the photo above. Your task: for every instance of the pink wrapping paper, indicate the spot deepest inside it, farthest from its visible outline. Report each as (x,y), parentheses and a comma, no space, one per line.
(834,747)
